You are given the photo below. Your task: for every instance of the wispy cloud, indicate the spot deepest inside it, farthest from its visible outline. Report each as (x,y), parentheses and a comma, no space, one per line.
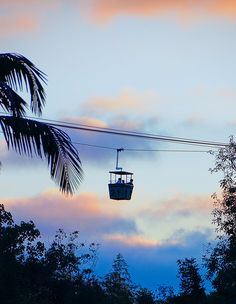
(87,141)
(178,212)
(227,94)
(9,25)
(180,206)
(138,240)
(24,16)
(131,240)
(30,4)
(154,262)
(194,119)
(91,213)
(9,158)
(126,100)
(128,110)
(97,148)
(86,212)
(103,11)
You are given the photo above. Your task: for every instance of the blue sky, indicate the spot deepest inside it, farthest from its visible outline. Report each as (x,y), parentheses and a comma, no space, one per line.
(162,67)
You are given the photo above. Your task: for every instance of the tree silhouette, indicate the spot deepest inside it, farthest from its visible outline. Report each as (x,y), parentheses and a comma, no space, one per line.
(17,245)
(31,272)
(118,285)
(221,259)
(191,283)
(144,296)
(165,294)
(32,137)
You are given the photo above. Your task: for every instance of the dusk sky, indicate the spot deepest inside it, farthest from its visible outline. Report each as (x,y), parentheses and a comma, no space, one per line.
(161,67)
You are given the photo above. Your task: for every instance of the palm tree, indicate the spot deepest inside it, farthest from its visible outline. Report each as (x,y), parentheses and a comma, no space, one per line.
(31,137)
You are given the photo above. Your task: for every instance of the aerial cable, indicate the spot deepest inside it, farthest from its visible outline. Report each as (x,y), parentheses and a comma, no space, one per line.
(137,134)
(171,139)
(67,124)
(142,135)
(142,150)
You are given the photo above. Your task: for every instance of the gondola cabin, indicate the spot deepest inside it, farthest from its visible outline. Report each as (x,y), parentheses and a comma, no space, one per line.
(121,185)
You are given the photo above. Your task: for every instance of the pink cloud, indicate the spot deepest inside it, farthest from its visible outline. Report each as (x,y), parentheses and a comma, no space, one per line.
(98,221)
(88,213)
(194,119)
(179,205)
(104,10)
(24,4)
(87,141)
(10,25)
(136,240)
(229,95)
(87,121)
(126,100)
(131,240)
(51,205)
(24,16)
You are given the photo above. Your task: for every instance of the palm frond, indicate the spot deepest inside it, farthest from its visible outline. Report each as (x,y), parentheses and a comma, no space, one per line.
(32,137)
(15,70)
(10,101)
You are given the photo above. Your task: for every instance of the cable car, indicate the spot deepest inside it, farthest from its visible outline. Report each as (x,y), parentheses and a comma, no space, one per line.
(121,182)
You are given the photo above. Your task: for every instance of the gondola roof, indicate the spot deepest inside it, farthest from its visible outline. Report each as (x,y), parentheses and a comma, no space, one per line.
(121,172)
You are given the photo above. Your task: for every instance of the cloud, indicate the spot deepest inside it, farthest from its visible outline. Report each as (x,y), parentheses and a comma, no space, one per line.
(87,121)
(9,158)
(186,212)
(94,215)
(29,4)
(127,100)
(192,238)
(227,94)
(100,148)
(128,110)
(97,148)
(194,120)
(22,23)
(131,240)
(103,11)
(24,16)
(180,206)
(86,212)
(153,264)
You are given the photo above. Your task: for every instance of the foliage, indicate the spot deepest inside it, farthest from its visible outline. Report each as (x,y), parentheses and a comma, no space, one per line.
(220,261)
(144,296)
(191,283)
(118,285)
(32,273)
(29,136)
(225,162)
(165,294)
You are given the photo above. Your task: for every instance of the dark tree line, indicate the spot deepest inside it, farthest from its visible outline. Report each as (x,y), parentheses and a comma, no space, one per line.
(61,273)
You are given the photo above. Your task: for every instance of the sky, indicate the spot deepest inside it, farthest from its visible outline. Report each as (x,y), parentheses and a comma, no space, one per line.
(153,66)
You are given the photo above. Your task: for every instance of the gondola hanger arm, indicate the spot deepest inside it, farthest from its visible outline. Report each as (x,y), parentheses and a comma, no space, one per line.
(117,158)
